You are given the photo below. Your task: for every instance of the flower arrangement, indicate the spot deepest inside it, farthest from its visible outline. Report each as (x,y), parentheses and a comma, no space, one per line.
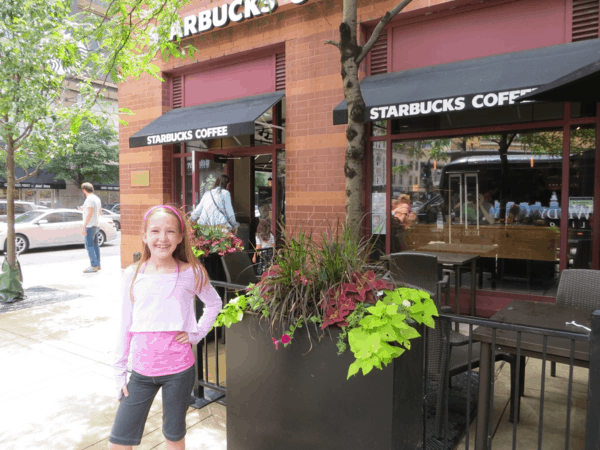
(207,239)
(325,283)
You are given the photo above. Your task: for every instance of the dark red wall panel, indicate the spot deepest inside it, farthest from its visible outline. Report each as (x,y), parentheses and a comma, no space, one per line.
(503,28)
(252,77)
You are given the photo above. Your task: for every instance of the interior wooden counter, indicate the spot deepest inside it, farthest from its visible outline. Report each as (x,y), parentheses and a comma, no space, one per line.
(537,243)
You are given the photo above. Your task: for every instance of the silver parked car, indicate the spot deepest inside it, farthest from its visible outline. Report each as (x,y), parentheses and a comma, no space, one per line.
(116,217)
(20,208)
(53,227)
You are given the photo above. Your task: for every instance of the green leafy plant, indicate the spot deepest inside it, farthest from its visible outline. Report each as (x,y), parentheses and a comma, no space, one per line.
(326,283)
(385,330)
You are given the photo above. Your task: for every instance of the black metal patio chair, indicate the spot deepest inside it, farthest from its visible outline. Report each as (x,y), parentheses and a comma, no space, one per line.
(239,269)
(578,288)
(422,271)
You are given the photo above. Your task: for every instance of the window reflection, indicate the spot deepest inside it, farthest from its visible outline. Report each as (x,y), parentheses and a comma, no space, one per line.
(497,196)
(581,197)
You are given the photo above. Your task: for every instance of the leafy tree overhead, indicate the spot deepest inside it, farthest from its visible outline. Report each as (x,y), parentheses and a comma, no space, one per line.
(95,157)
(55,65)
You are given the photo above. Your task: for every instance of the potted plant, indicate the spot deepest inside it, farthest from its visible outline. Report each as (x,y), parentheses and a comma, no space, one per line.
(299,339)
(210,243)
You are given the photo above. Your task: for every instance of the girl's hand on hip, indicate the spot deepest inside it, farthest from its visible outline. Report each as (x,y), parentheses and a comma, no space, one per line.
(125,392)
(182,337)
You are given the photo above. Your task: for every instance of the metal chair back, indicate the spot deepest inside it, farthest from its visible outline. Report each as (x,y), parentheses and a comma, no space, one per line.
(579,288)
(238,268)
(417,269)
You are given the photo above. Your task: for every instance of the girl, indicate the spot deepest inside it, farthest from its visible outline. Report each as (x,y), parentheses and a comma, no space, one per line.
(158,326)
(264,237)
(401,210)
(402,218)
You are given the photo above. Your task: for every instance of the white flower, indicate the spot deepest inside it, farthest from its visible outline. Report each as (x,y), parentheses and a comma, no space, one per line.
(406,304)
(234,301)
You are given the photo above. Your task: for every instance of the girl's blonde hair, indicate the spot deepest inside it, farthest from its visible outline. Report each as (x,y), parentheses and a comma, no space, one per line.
(183,251)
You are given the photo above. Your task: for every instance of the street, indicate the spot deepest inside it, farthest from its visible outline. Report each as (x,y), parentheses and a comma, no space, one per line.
(67,253)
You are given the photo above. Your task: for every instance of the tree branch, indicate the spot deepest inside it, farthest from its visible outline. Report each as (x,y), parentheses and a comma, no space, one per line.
(334,43)
(29,175)
(377,31)
(510,140)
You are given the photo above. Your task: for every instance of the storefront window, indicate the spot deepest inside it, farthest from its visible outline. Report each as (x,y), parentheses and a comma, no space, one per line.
(209,172)
(263,129)
(497,196)
(379,128)
(378,196)
(581,197)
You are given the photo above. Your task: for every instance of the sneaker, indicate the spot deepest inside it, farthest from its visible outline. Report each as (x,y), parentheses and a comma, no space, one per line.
(98,268)
(90,270)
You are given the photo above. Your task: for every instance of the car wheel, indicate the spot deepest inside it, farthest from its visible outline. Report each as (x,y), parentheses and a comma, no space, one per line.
(117,224)
(101,238)
(21,244)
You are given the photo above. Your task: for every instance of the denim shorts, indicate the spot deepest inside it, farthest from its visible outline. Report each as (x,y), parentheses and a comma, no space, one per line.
(128,427)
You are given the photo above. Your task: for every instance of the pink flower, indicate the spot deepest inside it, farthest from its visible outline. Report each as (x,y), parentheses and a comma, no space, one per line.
(285,339)
(276,343)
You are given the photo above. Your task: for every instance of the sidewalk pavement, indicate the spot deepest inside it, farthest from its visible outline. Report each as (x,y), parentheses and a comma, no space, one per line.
(56,385)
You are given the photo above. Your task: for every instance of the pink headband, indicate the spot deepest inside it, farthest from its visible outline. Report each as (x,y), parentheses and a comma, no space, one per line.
(168,207)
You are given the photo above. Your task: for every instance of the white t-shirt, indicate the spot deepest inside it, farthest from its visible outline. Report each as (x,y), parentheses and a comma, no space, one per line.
(92,201)
(265,244)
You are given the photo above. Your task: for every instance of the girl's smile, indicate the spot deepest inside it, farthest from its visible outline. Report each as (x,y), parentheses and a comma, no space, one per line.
(163,235)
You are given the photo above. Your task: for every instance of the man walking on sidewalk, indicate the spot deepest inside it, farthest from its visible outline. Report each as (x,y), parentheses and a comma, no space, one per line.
(92,208)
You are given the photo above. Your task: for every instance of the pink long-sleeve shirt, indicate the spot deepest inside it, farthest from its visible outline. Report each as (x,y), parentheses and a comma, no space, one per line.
(163,305)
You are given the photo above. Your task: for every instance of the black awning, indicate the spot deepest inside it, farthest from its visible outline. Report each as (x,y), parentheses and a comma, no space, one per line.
(581,85)
(474,84)
(209,121)
(43,180)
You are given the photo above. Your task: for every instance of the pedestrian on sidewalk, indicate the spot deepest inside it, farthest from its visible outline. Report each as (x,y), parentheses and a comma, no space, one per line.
(157,326)
(92,208)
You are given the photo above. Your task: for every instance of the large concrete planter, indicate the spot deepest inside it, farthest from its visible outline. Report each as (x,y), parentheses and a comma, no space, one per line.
(295,399)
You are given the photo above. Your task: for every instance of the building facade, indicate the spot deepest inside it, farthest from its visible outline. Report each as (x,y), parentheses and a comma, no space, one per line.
(514,182)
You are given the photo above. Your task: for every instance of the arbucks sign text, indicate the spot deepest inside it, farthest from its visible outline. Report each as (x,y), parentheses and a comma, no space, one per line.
(220,16)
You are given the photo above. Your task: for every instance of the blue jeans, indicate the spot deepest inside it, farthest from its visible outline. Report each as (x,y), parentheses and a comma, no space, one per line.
(91,243)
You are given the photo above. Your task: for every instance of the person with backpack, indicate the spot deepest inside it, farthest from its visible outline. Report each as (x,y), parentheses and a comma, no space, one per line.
(215,207)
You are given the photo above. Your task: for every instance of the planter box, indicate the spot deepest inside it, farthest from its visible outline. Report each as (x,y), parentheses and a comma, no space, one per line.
(295,399)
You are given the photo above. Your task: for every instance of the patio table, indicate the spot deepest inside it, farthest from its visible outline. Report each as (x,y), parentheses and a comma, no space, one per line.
(522,312)
(457,261)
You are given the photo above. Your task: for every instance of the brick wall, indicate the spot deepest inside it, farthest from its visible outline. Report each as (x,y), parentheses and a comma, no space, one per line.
(315,149)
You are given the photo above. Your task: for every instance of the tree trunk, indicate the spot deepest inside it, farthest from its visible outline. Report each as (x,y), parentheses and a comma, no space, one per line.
(10,203)
(355,131)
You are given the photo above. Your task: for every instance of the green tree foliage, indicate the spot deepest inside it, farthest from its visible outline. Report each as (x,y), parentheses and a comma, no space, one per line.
(551,142)
(54,68)
(95,157)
